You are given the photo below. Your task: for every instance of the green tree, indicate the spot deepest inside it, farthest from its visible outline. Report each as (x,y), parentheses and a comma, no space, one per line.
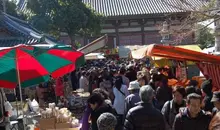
(204,36)
(10,7)
(70,16)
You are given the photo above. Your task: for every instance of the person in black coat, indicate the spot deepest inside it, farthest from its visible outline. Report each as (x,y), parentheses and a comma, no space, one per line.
(131,73)
(207,91)
(171,108)
(144,116)
(163,92)
(74,80)
(99,106)
(192,117)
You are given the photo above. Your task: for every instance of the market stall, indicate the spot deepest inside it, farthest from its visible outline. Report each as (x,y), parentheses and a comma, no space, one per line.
(208,64)
(94,56)
(57,118)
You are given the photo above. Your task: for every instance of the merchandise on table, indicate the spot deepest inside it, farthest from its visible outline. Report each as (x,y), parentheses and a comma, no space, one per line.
(55,118)
(78,98)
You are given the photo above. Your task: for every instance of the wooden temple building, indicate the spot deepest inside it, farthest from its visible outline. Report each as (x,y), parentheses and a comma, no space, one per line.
(138,22)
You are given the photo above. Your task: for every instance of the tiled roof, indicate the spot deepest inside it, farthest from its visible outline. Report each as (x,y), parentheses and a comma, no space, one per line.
(142,7)
(23,33)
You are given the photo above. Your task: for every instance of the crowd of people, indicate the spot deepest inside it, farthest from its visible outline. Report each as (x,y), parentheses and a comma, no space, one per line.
(131,96)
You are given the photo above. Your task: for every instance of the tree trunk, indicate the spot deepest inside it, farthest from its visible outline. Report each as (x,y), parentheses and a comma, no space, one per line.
(73,43)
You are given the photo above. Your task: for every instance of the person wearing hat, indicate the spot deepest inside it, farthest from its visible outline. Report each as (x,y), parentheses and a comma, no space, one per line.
(132,99)
(216,101)
(106,121)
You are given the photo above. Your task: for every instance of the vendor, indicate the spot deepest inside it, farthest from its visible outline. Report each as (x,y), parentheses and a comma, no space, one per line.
(63,102)
(40,94)
(59,89)
(2,110)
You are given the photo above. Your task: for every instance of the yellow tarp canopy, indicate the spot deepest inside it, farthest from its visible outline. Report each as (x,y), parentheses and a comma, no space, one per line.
(160,61)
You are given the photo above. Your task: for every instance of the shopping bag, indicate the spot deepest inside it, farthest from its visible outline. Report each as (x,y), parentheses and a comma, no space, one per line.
(8,107)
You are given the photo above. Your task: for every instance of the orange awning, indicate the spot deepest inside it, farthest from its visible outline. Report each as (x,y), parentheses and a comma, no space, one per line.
(178,53)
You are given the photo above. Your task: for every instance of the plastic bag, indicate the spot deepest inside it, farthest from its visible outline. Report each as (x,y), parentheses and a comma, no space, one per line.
(35,105)
(8,107)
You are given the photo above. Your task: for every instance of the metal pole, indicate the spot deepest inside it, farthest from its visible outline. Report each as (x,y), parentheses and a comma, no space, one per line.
(16,101)
(19,85)
(217,29)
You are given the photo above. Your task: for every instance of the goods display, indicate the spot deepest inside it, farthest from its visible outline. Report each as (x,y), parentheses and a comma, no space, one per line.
(57,118)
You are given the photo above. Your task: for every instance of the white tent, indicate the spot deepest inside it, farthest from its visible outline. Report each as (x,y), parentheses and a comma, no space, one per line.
(94,56)
(209,50)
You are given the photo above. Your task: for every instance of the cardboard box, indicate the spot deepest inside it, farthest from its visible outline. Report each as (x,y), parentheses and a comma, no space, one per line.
(47,123)
(62,125)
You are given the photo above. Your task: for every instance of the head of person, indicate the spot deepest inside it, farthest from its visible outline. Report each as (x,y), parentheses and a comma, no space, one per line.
(114,72)
(164,80)
(179,94)
(146,94)
(193,83)
(130,67)
(207,87)
(194,103)
(95,100)
(118,82)
(134,87)
(106,121)
(83,73)
(157,80)
(62,99)
(192,89)
(41,85)
(141,78)
(215,122)
(102,92)
(122,71)
(81,69)
(112,63)
(216,100)
(147,74)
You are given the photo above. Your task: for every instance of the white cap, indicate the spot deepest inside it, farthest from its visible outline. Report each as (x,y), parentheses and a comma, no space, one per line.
(134,85)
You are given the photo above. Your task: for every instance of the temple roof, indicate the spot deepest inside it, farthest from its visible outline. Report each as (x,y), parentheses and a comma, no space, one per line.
(21,32)
(111,8)
(143,7)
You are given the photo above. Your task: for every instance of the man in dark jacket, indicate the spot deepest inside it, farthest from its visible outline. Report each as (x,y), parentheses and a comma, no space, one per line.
(171,108)
(163,93)
(98,106)
(144,116)
(192,117)
(216,102)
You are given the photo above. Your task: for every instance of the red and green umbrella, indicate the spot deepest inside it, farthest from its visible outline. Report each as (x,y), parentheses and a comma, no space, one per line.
(24,66)
(77,58)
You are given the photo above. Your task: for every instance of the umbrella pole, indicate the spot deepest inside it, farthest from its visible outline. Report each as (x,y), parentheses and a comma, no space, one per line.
(19,85)
(16,101)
